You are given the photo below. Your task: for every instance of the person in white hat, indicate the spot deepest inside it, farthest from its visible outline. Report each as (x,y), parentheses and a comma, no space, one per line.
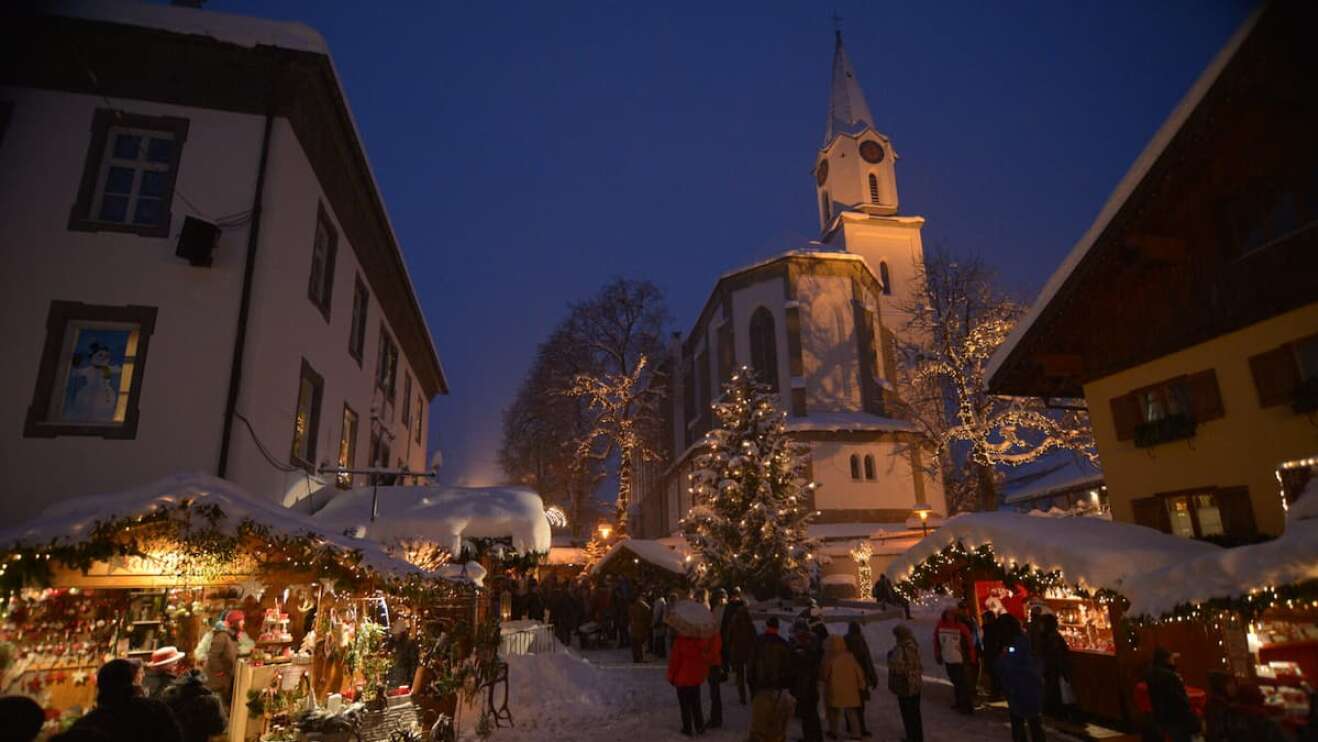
(165,665)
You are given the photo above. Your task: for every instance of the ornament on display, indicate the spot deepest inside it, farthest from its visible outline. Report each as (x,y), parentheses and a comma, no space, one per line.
(251,588)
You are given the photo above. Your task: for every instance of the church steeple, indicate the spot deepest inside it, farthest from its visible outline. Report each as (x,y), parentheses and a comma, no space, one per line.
(847,110)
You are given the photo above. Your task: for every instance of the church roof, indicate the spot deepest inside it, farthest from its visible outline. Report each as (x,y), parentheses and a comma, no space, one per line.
(847,111)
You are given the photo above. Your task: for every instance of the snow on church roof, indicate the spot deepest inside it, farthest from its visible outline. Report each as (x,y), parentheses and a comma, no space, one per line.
(444,515)
(68,521)
(1091,552)
(1231,573)
(1152,152)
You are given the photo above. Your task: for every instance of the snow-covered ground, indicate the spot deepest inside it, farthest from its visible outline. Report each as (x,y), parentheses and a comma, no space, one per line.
(600,696)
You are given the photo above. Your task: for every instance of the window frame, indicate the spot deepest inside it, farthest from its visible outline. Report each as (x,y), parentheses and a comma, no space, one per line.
(855,467)
(871,469)
(323,303)
(81,218)
(344,481)
(58,317)
(762,332)
(874,189)
(307,373)
(885,279)
(405,409)
(357,328)
(386,342)
(420,413)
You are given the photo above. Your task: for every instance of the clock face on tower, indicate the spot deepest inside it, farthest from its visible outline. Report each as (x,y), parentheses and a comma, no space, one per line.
(821,172)
(872,151)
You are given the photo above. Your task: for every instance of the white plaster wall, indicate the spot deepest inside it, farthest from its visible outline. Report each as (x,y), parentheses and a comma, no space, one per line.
(898,242)
(894,487)
(828,343)
(184,380)
(186,374)
(848,174)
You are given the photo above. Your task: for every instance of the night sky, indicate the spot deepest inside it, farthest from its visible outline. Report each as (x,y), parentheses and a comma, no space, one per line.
(530,152)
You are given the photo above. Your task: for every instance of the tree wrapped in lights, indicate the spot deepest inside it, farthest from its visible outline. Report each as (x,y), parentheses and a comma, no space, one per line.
(752,499)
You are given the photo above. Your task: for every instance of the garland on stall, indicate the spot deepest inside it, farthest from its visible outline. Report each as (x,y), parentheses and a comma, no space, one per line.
(1247,607)
(954,561)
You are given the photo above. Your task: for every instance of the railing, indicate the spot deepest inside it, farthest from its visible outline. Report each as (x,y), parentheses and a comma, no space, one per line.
(533,639)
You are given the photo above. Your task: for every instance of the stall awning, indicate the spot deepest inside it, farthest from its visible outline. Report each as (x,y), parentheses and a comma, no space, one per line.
(1290,559)
(71,521)
(1089,552)
(442,515)
(654,553)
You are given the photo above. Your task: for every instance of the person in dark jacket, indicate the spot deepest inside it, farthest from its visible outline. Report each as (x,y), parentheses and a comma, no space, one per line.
(1056,663)
(1172,714)
(738,639)
(770,673)
(992,648)
(535,601)
(905,678)
(807,655)
(122,713)
(199,711)
(1021,682)
(22,719)
(860,649)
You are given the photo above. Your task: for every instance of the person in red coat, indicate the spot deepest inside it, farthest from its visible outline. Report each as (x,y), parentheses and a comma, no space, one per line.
(688,667)
(954,649)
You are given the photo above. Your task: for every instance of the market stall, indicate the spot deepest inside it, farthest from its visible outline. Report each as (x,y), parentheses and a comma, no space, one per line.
(1259,602)
(318,620)
(644,561)
(1075,568)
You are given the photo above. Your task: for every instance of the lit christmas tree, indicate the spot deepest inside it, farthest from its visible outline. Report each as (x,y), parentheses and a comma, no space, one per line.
(752,501)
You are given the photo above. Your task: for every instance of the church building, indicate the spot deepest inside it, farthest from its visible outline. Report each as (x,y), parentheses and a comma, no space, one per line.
(817,325)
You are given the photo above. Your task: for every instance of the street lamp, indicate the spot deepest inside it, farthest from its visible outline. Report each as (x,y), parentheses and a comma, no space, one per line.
(605,529)
(923,511)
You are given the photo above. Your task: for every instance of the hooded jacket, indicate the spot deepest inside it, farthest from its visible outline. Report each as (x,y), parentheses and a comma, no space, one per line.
(842,676)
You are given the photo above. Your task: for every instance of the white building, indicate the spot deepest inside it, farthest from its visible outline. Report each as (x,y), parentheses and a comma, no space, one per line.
(817,325)
(197,267)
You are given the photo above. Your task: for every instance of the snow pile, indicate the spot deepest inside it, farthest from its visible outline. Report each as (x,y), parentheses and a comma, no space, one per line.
(652,552)
(552,695)
(69,521)
(442,515)
(1230,573)
(1090,552)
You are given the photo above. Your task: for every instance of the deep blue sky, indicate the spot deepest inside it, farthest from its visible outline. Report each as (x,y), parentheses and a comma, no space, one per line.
(529,152)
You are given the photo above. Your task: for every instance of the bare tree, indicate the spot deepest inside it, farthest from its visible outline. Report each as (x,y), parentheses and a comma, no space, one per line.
(590,398)
(958,319)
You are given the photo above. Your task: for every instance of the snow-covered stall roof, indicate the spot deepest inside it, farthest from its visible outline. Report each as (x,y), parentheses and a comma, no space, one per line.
(653,552)
(1090,552)
(70,521)
(1059,474)
(1231,573)
(443,515)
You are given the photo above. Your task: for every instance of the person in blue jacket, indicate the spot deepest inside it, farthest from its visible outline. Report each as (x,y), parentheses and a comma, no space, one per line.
(1021,681)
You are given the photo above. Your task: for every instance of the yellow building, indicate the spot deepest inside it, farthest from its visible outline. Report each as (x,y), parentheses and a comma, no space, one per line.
(1187,316)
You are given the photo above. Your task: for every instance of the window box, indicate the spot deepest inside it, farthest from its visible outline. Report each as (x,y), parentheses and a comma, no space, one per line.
(1164,430)
(1306,396)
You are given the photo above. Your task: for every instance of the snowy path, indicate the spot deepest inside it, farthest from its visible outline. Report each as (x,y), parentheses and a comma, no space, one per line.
(605,698)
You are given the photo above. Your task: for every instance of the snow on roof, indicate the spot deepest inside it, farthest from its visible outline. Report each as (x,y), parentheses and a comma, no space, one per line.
(654,552)
(1230,573)
(68,521)
(234,29)
(1152,151)
(1090,552)
(444,515)
(1072,473)
(841,421)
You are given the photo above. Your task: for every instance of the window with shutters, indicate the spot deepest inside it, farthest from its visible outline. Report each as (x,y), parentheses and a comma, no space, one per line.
(874,189)
(1217,514)
(1288,375)
(884,281)
(855,467)
(1169,410)
(764,348)
(324,244)
(869,468)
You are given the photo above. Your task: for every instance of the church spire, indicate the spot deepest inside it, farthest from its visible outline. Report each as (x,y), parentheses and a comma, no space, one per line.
(847,111)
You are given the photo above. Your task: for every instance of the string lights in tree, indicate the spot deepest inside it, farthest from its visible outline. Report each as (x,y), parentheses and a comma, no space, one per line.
(752,499)
(864,575)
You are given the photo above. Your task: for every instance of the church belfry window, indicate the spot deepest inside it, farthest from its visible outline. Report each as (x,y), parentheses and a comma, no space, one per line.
(874,189)
(764,348)
(884,279)
(869,467)
(826,206)
(855,466)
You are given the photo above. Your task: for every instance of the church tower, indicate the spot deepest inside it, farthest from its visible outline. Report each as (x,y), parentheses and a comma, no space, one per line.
(856,193)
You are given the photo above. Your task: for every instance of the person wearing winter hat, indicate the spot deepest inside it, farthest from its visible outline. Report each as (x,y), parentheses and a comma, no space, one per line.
(223,655)
(161,670)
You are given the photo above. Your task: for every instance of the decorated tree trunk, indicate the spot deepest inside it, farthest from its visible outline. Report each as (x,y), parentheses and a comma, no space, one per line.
(752,503)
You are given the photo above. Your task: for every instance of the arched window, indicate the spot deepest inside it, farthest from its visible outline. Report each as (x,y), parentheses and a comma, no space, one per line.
(826,206)
(874,189)
(883,277)
(855,466)
(869,467)
(764,348)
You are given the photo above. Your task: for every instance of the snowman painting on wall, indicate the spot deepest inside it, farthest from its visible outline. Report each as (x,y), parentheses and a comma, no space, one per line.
(101,356)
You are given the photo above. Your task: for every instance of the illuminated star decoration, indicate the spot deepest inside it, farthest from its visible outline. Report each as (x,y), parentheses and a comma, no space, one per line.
(254,588)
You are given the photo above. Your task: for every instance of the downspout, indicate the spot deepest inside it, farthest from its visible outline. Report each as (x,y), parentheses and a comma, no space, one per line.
(245,305)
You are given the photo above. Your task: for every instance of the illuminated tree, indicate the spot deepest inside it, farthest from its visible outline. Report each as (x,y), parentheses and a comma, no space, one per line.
(753,501)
